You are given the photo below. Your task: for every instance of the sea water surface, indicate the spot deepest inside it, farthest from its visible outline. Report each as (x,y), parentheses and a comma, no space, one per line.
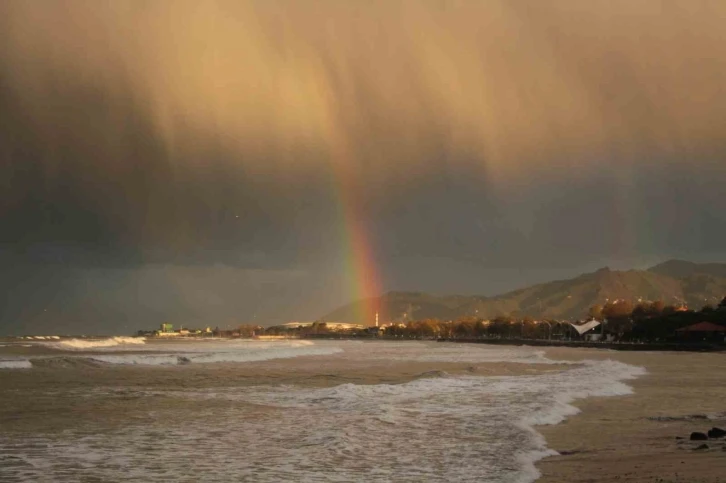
(127,409)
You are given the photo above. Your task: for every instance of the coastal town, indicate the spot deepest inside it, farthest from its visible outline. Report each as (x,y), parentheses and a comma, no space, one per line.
(617,323)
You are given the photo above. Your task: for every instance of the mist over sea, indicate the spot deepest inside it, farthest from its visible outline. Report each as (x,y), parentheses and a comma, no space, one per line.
(127,409)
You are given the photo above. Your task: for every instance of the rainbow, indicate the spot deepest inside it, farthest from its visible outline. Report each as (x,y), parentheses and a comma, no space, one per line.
(359,260)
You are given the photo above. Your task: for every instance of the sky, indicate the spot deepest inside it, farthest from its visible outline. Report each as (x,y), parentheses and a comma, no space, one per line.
(225,162)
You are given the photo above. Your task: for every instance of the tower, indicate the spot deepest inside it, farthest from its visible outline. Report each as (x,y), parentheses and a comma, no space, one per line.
(376,319)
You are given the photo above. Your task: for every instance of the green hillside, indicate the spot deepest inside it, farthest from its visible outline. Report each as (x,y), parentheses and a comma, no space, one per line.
(674,282)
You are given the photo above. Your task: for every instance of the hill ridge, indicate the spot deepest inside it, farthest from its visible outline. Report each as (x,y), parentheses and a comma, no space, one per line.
(674,282)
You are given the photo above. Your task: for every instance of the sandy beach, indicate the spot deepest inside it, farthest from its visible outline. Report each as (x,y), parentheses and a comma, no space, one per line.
(633,438)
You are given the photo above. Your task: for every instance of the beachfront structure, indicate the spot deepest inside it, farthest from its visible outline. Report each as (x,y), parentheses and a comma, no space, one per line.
(581,329)
(334,326)
(702,331)
(166,330)
(159,333)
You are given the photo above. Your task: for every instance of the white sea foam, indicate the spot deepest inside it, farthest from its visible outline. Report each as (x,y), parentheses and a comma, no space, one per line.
(15,364)
(248,354)
(135,351)
(85,344)
(510,407)
(444,428)
(473,353)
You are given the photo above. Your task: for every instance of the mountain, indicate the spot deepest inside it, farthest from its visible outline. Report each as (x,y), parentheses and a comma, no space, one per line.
(673,282)
(683,269)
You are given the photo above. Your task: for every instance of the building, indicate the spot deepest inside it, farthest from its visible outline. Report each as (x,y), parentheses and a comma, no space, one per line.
(333,326)
(702,331)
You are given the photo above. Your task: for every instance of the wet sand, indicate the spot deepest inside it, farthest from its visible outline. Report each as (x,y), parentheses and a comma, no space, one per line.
(633,438)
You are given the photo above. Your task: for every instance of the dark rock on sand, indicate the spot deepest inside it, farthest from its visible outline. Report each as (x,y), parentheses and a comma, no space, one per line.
(703,446)
(696,436)
(716,433)
(183,360)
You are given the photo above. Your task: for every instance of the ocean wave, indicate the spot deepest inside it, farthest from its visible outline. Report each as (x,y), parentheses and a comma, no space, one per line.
(437,427)
(432,374)
(134,351)
(15,364)
(183,358)
(471,353)
(513,406)
(65,362)
(83,344)
(593,379)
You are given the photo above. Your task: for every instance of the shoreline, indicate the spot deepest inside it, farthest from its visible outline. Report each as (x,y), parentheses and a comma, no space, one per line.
(633,438)
(546,343)
(616,346)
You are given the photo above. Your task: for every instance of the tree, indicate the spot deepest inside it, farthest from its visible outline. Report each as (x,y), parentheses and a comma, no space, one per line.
(617,309)
(249,330)
(668,310)
(640,312)
(619,316)
(595,312)
(501,325)
(429,328)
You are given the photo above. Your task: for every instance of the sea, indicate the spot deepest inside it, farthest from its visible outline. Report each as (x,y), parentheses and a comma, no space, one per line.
(133,409)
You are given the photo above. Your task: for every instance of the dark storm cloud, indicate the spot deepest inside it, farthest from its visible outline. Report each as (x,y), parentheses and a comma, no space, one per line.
(87,170)
(489,135)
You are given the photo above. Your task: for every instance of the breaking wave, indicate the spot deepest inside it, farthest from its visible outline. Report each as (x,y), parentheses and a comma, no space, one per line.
(511,406)
(67,362)
(84,344)
(15,364)
(436,427)
(183,358)
(133,351)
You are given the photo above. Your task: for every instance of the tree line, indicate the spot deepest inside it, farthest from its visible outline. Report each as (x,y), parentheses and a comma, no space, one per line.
(622,320)
(655,320)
